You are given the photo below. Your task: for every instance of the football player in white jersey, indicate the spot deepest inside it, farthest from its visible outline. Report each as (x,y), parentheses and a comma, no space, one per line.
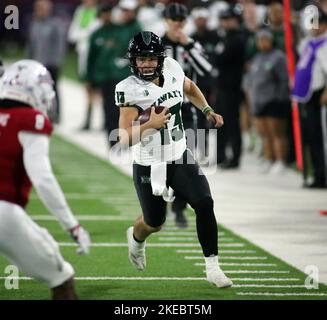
(163,166)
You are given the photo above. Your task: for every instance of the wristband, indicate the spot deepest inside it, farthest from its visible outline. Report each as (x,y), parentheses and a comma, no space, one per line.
(206,110)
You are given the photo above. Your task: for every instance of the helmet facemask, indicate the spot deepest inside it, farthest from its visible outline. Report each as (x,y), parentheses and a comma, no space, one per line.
(46,99)
(147,77)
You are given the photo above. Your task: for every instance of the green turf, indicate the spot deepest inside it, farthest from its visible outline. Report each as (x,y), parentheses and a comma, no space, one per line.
(94,188)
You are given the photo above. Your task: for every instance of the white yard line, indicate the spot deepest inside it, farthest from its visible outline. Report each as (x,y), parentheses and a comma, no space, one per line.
(169,227)
(267,279)
(277,294)
(220,251)
(97,196)
(242,258)
(86,218)
(103,278)
(226,257)
(240,264)
(237,251)
(123,244)
(176,233)
(258,271)
(189,239)
(183,233)
(279,286)
(177,238)
(231,245)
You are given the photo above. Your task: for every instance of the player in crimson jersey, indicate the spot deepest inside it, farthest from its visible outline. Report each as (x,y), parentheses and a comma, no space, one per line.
(25,96)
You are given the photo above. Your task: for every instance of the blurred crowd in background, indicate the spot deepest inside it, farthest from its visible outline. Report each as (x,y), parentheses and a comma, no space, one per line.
(243,44)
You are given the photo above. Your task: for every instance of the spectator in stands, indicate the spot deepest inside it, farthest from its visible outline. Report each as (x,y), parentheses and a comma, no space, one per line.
(276,26)
(267,87)
(106,64)
(46,43)
(84,23)
(229,60)
(310,88)
(208,39)
(251,21)
(150,15)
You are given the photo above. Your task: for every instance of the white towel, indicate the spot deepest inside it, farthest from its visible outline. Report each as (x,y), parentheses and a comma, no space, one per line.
(158,182)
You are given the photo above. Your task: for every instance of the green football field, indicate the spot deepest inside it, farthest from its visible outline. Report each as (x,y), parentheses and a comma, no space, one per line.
(106,204)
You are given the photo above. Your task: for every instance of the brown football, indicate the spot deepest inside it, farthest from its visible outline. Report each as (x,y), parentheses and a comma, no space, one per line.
(145,115)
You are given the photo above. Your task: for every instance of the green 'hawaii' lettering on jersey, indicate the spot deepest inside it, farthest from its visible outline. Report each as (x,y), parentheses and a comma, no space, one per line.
(169,95)
(177,132)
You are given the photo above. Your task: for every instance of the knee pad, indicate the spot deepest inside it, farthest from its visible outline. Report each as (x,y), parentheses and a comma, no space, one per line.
(204,206)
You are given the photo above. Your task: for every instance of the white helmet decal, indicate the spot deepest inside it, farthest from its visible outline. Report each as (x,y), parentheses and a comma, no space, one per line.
(30,82)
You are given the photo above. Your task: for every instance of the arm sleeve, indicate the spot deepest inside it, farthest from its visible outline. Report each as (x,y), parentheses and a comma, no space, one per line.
(38,167)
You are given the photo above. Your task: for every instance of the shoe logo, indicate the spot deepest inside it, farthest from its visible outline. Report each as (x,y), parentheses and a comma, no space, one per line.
(145,180)
(146,93)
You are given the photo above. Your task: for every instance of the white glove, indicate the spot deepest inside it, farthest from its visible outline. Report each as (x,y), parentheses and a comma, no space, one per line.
(82,237)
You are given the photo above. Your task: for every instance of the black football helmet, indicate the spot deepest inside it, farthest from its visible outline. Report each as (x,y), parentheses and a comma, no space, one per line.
(146,44)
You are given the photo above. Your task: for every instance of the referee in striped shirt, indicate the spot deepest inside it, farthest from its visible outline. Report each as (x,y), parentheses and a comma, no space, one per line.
(190,55)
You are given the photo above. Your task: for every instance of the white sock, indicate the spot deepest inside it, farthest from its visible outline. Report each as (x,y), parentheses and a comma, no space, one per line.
(211,262)
(137,245)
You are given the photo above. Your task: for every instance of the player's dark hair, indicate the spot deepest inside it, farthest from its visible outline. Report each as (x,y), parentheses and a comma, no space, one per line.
(146,44)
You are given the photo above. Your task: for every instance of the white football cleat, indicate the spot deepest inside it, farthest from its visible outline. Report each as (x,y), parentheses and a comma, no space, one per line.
(217,277)
(214,274)
(136,251)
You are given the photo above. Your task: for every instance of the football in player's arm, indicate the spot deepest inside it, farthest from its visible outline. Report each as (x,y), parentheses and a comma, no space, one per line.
(157,121)
(25,96)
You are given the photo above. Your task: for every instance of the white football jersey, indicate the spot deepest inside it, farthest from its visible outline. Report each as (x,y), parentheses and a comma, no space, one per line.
(169,143)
